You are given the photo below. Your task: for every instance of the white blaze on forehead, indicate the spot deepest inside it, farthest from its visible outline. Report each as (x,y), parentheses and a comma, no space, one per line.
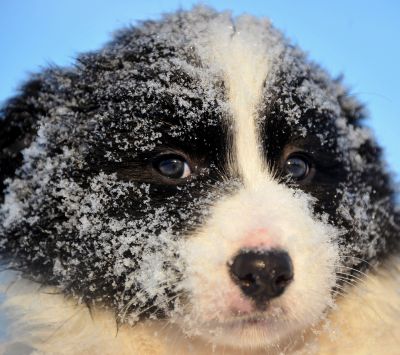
(239,52)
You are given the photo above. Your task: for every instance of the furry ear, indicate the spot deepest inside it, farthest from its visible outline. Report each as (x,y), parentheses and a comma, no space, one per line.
(18,125)
(352,109)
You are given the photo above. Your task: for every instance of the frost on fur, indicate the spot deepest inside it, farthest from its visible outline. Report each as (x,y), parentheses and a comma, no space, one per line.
(85,210)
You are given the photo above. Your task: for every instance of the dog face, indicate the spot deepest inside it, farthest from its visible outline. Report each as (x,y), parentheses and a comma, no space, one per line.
(199,169)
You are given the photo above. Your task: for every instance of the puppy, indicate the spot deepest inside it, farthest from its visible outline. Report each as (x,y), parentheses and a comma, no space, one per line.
(198,185)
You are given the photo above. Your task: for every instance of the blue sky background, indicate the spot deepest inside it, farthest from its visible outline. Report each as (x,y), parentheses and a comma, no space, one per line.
(357,38)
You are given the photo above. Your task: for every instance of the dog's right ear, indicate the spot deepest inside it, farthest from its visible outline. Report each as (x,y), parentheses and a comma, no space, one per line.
(18,125)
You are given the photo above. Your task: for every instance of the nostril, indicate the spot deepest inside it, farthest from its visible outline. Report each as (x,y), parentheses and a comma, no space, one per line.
(282,280)
(261,274)
(247,281)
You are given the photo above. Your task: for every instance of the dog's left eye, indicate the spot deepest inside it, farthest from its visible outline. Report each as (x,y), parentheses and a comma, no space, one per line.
(298,167)
(173,167)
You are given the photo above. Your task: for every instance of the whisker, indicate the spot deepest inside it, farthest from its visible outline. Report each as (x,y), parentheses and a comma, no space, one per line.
(171,281)
(62,324)
(352,277)
(362,260)
(149,307)
(359,272)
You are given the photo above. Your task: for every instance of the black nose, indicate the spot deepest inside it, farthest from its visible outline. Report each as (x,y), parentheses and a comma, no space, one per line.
(262,274)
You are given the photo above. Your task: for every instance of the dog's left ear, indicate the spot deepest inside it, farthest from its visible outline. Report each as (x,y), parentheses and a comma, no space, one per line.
(351,107)
(374,173)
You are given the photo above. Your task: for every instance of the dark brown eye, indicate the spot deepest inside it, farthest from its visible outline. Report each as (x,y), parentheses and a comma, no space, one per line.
(173,167)
(298,167)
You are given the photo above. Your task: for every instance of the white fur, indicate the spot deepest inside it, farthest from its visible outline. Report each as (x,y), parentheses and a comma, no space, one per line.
(365,321)
(240,55)
(289,225)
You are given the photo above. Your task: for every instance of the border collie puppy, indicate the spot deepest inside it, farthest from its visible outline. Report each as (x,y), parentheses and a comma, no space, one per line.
(198,185)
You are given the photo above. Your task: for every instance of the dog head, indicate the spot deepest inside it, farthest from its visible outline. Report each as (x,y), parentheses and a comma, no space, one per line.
(199,169)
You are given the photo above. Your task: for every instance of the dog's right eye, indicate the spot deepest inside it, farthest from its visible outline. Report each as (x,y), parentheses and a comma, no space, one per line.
(172,167)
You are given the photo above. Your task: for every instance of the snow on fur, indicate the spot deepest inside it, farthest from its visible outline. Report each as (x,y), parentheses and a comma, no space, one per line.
(82,214)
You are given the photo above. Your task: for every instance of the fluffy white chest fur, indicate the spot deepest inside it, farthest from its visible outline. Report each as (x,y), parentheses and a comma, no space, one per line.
(365,321)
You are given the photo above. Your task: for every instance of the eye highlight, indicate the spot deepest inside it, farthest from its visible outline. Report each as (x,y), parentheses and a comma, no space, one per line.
(173,167)
(298,167)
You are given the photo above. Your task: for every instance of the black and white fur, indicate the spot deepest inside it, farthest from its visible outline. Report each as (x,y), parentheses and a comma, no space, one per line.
(103,254)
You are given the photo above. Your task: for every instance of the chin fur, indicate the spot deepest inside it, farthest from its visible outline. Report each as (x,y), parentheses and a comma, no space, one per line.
(43,320)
